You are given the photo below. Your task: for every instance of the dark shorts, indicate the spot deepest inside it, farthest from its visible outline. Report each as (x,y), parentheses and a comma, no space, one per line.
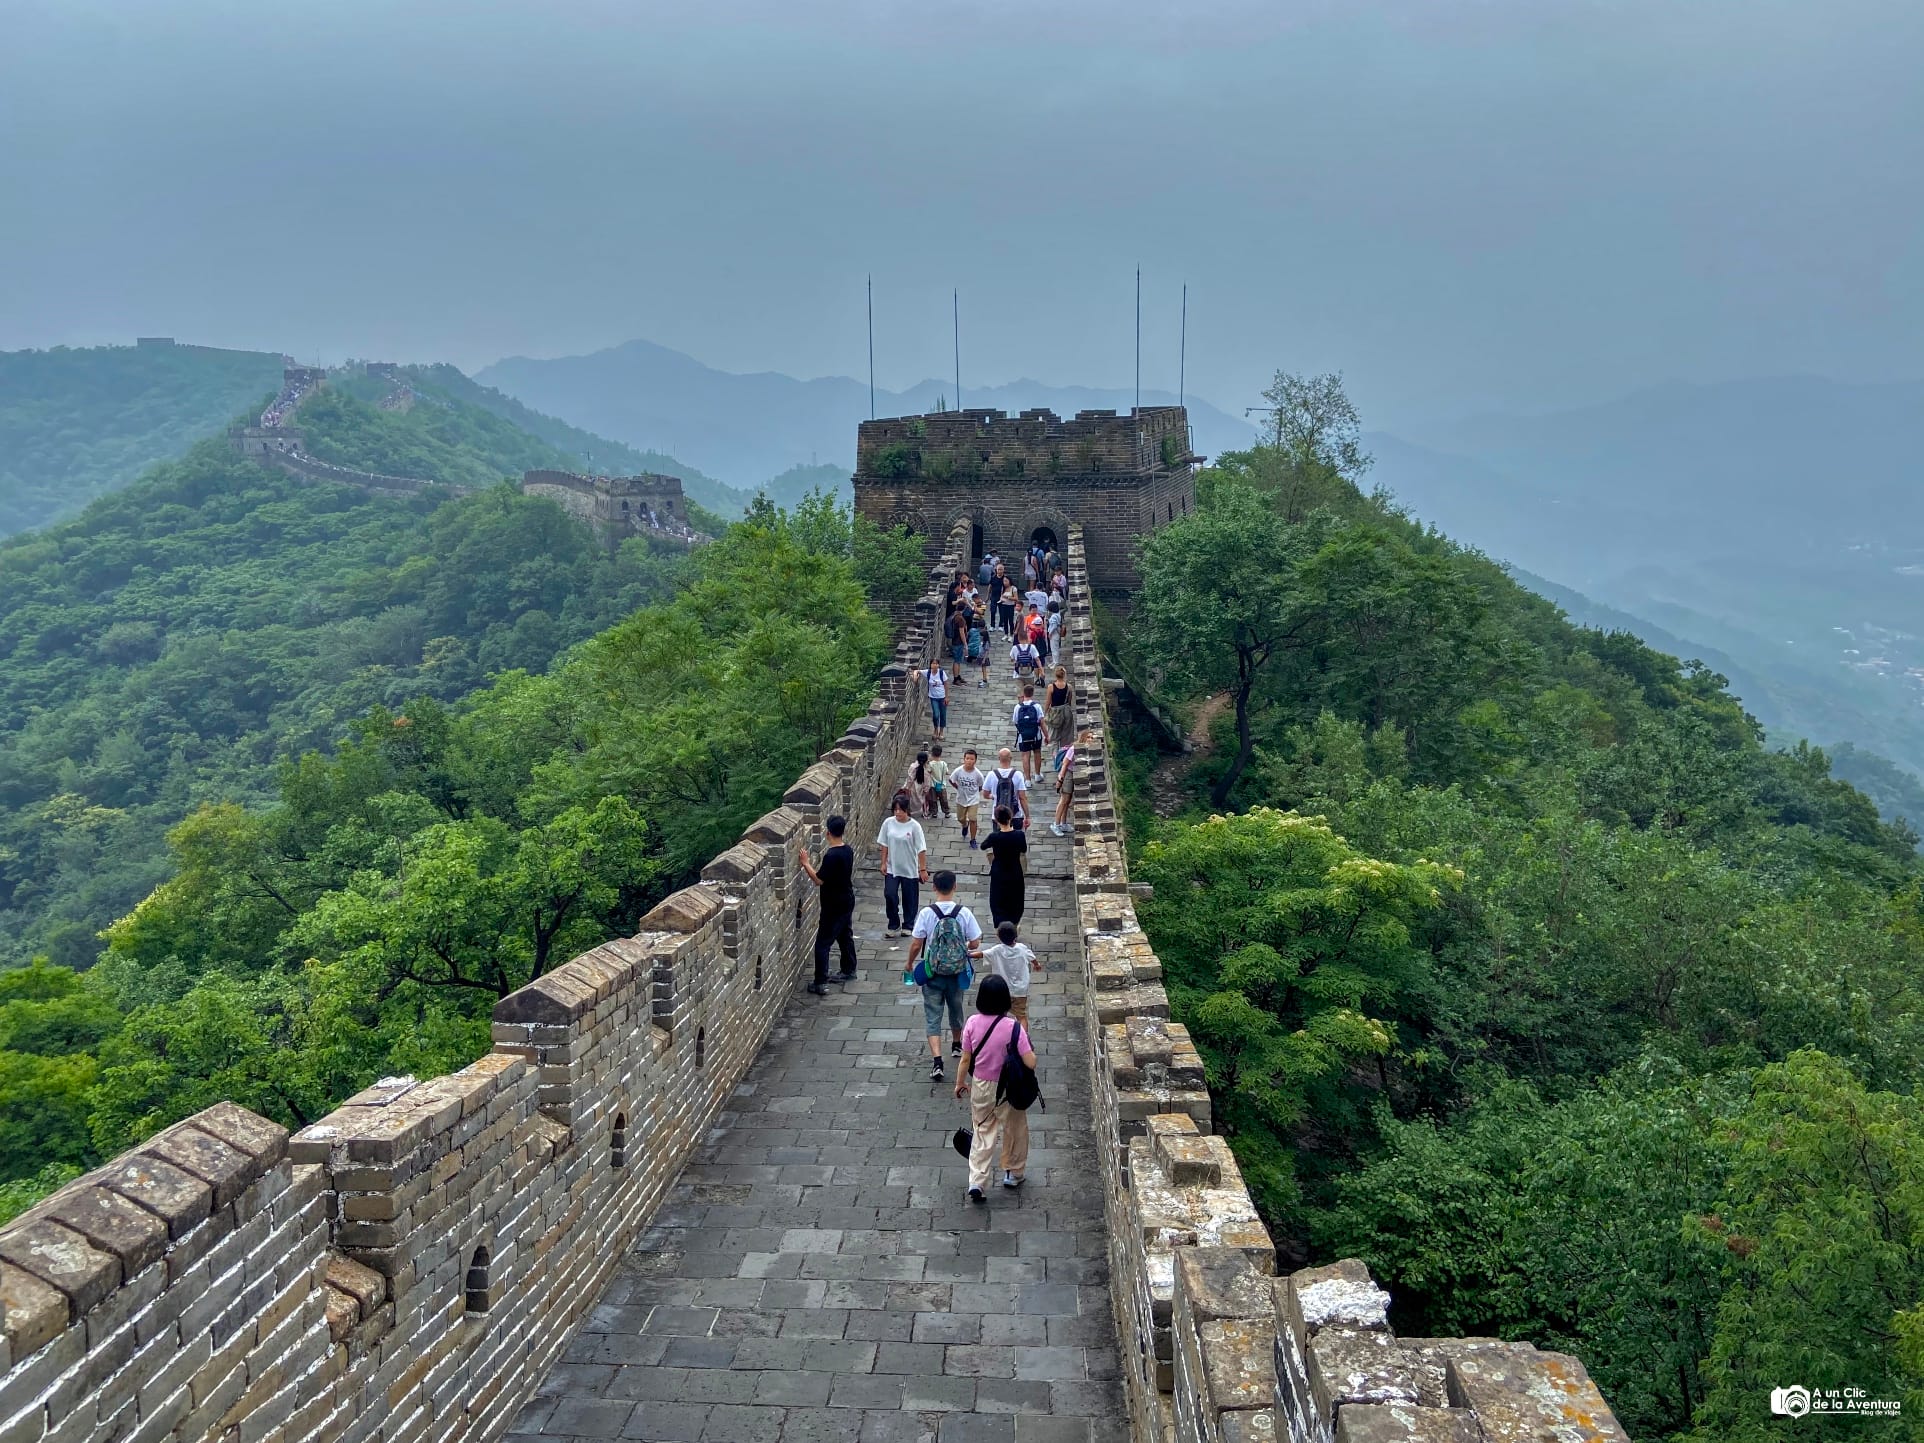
(1030,746)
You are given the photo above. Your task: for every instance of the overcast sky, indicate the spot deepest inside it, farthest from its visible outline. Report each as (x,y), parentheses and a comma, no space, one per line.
(1459,203)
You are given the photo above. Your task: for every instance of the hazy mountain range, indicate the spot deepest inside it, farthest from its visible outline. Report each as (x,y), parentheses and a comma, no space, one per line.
(1773,527)
(746,428)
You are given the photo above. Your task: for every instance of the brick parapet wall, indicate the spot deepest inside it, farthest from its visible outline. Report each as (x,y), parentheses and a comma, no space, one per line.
(1035,445)
(407,1268)
(1214,1347)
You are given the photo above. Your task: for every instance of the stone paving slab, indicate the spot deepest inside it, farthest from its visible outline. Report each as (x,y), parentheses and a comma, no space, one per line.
(818,1274)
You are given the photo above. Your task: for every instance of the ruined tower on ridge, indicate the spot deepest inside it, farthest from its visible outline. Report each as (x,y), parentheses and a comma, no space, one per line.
(1024,478)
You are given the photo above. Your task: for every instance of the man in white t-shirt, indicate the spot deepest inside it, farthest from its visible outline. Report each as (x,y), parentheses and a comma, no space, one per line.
(905,865)
(966,782)
(1006,787)
(943,992)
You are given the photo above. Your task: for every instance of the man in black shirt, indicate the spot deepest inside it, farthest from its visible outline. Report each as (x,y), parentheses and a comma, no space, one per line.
(836,878)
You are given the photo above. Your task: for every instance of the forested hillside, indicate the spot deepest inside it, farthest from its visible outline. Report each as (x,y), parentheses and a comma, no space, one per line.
(596,453)
(75,424)
(1522,969)
(295,756)
(185,633)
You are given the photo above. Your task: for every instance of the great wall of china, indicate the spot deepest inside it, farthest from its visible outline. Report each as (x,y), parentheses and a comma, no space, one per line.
(615,507)
(421,1263)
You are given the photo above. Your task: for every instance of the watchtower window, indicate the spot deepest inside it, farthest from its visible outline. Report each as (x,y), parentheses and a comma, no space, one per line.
(478,1293)
(701,1045)
(619,1151)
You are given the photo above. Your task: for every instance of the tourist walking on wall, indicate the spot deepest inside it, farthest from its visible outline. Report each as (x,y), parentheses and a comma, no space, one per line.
(958,629)
(1007,787)
(979,644)
(1006,847)
(1012,961)
(938,783)
(1002,594)
(905,865)
(938,677)
(967,780)
(1066,783)
(997,1108)
(835,924)
(1029,722)
(1025,662)
(1059,714)
(941,963)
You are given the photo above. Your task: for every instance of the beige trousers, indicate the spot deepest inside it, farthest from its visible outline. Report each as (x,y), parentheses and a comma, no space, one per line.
(998,1128)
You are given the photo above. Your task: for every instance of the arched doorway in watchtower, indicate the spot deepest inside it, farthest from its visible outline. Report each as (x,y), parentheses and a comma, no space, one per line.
(975,541)
(1043,536)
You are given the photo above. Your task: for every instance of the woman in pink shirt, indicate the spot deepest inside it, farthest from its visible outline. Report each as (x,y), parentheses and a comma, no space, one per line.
(998,1127)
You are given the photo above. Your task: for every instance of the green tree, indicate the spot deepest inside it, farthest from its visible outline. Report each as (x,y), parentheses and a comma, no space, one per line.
(1821,1243)
(1220,607)
(1290,956)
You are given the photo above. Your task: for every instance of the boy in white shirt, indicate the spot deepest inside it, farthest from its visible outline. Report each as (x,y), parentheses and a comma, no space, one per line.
(966,781)
(1011,961)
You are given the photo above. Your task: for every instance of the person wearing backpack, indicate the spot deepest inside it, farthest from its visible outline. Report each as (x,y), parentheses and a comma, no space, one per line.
(1025,661)
(1005,786)
(1027,719)
(948,939)
(997,1074)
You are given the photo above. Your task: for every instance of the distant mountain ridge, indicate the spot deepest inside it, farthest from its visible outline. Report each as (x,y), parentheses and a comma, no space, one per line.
(1773,526)
(746,428)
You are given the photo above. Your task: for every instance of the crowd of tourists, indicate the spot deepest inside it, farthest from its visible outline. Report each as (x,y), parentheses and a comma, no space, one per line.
(284,404)
(948,948)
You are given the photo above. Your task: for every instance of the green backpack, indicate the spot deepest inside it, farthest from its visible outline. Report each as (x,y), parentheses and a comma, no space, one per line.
(948,952)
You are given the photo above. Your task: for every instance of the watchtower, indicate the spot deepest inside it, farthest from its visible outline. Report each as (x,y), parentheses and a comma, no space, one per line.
(1025,478)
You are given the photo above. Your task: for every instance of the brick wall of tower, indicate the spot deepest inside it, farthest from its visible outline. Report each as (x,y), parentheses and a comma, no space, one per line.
(1118,476)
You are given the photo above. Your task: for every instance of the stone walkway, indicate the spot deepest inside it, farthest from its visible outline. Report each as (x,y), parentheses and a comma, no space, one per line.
(818,1275)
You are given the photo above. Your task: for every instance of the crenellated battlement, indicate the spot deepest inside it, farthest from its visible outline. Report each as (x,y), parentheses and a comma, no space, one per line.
(1037,444)
(1019,478)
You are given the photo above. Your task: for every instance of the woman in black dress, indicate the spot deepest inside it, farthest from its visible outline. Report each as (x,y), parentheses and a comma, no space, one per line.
(1005,846)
